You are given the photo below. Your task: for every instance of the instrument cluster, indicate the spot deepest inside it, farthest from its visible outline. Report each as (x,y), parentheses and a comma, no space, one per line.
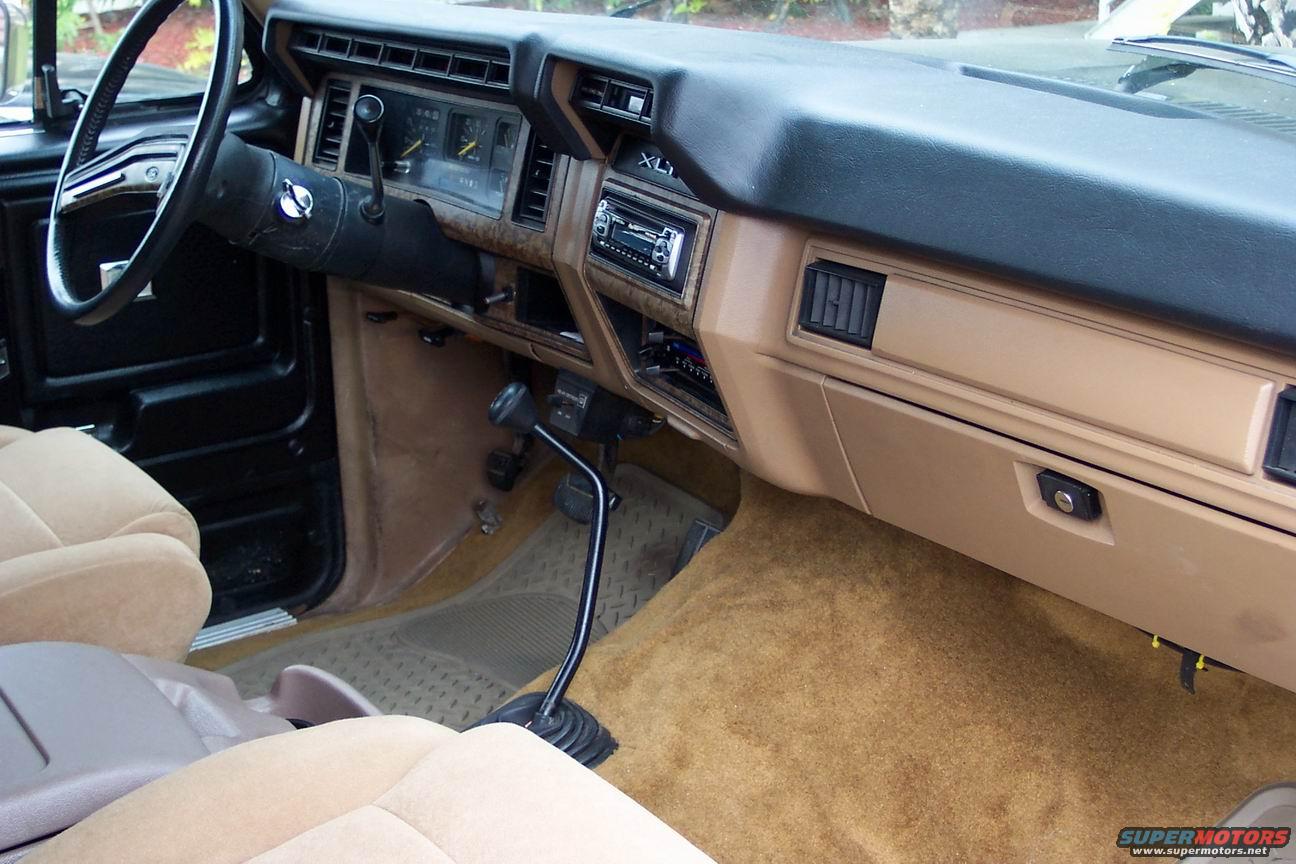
(460,153)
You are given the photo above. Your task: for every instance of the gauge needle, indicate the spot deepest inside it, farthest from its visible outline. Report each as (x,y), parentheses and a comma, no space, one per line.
(468,148)
(410,149)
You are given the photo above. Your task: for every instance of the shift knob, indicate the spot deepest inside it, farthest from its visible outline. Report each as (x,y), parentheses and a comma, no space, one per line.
(514,408)
(368,113)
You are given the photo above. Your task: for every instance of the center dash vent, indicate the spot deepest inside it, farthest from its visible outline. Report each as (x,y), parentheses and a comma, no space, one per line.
(476,67)
(616,97)
(841,302)
(328,143)
(531,208)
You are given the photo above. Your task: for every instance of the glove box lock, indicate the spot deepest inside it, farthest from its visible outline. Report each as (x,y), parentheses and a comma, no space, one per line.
(1069,496)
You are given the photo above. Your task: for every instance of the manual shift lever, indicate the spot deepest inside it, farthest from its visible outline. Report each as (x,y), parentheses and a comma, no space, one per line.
(514,408)
(368,115)
(561,722)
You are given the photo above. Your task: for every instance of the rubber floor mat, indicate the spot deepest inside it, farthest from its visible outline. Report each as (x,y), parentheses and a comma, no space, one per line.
(454,662)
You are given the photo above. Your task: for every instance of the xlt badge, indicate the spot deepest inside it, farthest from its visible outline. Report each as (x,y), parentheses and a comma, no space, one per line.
(654,162)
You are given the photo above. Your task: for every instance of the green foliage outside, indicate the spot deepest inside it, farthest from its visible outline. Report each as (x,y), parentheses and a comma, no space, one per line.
(71,24)
(198,50)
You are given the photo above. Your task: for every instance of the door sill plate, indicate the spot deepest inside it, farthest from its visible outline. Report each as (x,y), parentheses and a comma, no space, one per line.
(241,628)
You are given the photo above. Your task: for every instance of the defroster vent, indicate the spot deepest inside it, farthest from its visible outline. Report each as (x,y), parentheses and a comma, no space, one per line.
(616,97)
(468,66)
(532,205)
(328,143)
(841,302)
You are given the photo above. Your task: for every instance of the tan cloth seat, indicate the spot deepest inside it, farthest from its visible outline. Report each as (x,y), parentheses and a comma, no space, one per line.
(93,549)
(397,790)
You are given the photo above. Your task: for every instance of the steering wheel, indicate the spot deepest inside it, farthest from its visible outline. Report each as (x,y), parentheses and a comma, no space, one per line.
(172,168)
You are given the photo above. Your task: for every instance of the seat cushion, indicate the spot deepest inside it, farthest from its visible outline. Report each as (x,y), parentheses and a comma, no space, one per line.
(60,487)
(93,549)
(10,434)
(138,594)
(392,789)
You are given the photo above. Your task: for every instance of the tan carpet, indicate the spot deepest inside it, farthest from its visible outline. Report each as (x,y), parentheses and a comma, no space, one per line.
(819,686)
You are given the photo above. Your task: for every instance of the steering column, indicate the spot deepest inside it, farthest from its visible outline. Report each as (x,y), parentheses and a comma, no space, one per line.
(291,213)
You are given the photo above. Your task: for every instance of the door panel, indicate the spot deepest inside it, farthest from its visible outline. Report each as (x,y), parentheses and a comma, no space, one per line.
(219,386)
(209,310)
(209,299)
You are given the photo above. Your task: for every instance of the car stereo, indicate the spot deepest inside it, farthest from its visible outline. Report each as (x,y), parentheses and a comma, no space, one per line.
(643,241)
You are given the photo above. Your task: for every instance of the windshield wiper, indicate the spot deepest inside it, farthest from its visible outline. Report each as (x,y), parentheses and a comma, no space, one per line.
(629,9)
(1171,57)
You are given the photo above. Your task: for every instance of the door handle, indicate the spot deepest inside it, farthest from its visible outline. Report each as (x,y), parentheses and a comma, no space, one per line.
(110,270)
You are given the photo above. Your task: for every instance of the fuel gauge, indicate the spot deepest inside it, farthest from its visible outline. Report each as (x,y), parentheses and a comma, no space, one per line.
(507,134)
(498,182)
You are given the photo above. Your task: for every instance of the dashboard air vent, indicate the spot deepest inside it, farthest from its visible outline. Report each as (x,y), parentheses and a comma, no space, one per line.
(841,302)
(473,67)
(616,97)
(328,143)
(1280,457)
(532,205)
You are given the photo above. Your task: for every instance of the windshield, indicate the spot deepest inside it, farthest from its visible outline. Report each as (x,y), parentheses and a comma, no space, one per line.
(174,64)
(1068,40)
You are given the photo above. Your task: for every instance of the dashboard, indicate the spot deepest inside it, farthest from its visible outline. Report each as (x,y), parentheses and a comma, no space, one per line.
(883,288)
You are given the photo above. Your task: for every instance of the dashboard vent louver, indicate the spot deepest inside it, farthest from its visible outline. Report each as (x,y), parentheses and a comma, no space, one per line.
(841,302)
(531,208)
(616,97)
(472,67)
(328,143)
(1280,456)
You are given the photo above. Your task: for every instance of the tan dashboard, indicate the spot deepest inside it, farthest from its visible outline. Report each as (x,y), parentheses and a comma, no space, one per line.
(943,419)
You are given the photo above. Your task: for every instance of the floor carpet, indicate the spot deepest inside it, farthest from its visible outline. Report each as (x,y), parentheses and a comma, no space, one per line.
(820,686)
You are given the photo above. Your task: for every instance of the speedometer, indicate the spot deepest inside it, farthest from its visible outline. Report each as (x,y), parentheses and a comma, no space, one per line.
(417,141)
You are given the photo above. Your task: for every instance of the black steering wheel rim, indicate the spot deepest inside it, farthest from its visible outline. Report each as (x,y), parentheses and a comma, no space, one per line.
(180,198)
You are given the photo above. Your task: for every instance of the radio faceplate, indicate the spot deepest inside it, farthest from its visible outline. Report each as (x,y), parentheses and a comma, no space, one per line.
(650,244)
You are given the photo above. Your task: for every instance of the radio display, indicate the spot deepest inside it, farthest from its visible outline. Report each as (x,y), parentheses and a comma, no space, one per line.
(650,244)
(635,241)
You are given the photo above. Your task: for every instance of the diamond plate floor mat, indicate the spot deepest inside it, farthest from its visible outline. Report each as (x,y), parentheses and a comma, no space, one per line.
(455,661)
